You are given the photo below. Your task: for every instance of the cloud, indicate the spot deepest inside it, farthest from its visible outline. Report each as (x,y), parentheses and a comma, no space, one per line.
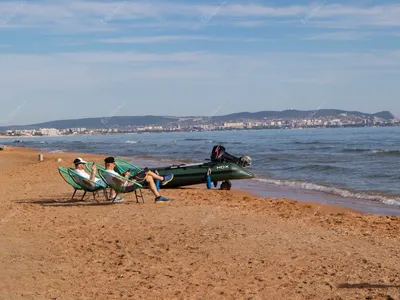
(258,10)
(311,80)
(155,39)
(93,80)
(64,71)
(339,16)
(131,57)
(249,24)
(75,15)
(171,38)
(339,36)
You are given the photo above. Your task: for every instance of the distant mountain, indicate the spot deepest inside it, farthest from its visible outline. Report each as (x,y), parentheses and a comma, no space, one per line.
(387,115)
(292,113)
(95,123)
(109,122)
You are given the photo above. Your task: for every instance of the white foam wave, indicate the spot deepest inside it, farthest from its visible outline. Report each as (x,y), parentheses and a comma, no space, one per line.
(331,190)
(386,151)
(131,142)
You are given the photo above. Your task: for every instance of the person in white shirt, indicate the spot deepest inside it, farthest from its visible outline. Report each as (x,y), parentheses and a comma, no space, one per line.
(80,169)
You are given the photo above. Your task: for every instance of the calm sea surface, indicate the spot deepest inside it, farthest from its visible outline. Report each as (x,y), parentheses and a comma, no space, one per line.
(356,167)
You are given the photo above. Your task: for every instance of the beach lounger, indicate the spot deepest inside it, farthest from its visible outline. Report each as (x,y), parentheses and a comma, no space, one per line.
(121,184)
(81,183)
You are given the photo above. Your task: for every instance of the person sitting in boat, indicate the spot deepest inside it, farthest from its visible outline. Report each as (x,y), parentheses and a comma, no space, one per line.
(145,178)
(79,164)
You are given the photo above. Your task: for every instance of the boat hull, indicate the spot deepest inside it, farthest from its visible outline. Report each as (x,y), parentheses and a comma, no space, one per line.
(191,174)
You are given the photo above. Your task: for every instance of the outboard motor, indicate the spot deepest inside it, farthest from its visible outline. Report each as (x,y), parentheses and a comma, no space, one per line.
(218,154)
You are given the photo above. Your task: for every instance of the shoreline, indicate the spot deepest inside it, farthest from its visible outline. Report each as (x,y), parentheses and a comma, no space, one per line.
(204,244)
(271,191)
(318,205)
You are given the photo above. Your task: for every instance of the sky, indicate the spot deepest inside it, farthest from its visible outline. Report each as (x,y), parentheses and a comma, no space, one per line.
(75,59)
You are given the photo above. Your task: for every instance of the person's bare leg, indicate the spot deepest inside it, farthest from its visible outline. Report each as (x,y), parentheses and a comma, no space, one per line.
(155,176)
(152,186)
(112,194)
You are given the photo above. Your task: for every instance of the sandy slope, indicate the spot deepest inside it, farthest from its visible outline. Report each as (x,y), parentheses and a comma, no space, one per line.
(203,245)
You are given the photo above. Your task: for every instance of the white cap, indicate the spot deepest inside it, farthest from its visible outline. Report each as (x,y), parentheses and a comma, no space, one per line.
(79,161)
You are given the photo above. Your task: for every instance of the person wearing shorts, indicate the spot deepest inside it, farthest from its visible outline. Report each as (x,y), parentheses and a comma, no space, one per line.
(144,177)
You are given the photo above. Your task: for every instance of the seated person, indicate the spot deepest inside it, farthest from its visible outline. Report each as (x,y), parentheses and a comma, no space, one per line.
(80,169)
(145,178)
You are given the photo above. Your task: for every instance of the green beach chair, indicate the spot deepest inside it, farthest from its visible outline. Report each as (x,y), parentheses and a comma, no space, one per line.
(64,174)
(121,184)
(123,166)
(79,182)
(89,168)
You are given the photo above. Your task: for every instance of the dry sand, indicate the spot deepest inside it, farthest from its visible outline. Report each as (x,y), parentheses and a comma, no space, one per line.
(203,245)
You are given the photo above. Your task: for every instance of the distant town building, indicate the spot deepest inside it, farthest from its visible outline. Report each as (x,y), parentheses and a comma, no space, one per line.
(234,125)
(48,131)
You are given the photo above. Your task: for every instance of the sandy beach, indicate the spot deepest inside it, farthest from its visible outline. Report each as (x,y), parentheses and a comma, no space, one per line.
(202,245)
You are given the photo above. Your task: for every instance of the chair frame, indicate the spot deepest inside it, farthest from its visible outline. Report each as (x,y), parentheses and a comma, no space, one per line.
(118,162)
(124,165)
(67,171)
(64,173)
(138,190)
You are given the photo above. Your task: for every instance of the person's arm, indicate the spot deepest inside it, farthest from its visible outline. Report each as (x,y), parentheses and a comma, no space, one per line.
(127,174)
(93,174)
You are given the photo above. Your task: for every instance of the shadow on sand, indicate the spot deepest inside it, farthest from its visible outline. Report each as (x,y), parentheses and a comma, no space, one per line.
(77,202)
(366,286)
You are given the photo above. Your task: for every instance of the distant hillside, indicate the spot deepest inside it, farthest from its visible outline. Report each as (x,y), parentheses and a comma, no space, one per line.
(385,115)
(292,113)
(108,122)
(94,123)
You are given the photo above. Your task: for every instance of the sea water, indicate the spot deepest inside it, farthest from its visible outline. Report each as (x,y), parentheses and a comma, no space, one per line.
(354,167)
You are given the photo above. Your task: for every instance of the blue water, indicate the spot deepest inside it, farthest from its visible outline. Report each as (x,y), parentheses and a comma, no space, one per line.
(352,163)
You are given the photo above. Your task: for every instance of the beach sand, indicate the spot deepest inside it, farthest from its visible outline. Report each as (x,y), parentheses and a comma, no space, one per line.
(205,244)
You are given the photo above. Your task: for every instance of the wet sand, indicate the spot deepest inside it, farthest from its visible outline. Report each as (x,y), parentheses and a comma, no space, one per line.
(268,190)
(203,245)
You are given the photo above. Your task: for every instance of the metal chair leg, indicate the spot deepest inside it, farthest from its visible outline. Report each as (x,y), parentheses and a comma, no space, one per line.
(139,194)
(116,195)
(84,194)
(73,195)
(105,193)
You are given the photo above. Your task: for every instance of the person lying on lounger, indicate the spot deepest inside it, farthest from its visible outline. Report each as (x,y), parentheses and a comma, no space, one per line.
(145,178)
(80,169)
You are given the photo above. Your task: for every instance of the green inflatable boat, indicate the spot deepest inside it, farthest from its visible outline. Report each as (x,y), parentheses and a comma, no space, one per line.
(223,168)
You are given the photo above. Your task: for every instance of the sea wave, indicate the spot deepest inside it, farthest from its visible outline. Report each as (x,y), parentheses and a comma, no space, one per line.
(383,198)
(374,151)
(131,142)
(356,150)
(195,139)
(276,150)
(386,151)
(317,167)
(227,142)
(57,151)
(310,142)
